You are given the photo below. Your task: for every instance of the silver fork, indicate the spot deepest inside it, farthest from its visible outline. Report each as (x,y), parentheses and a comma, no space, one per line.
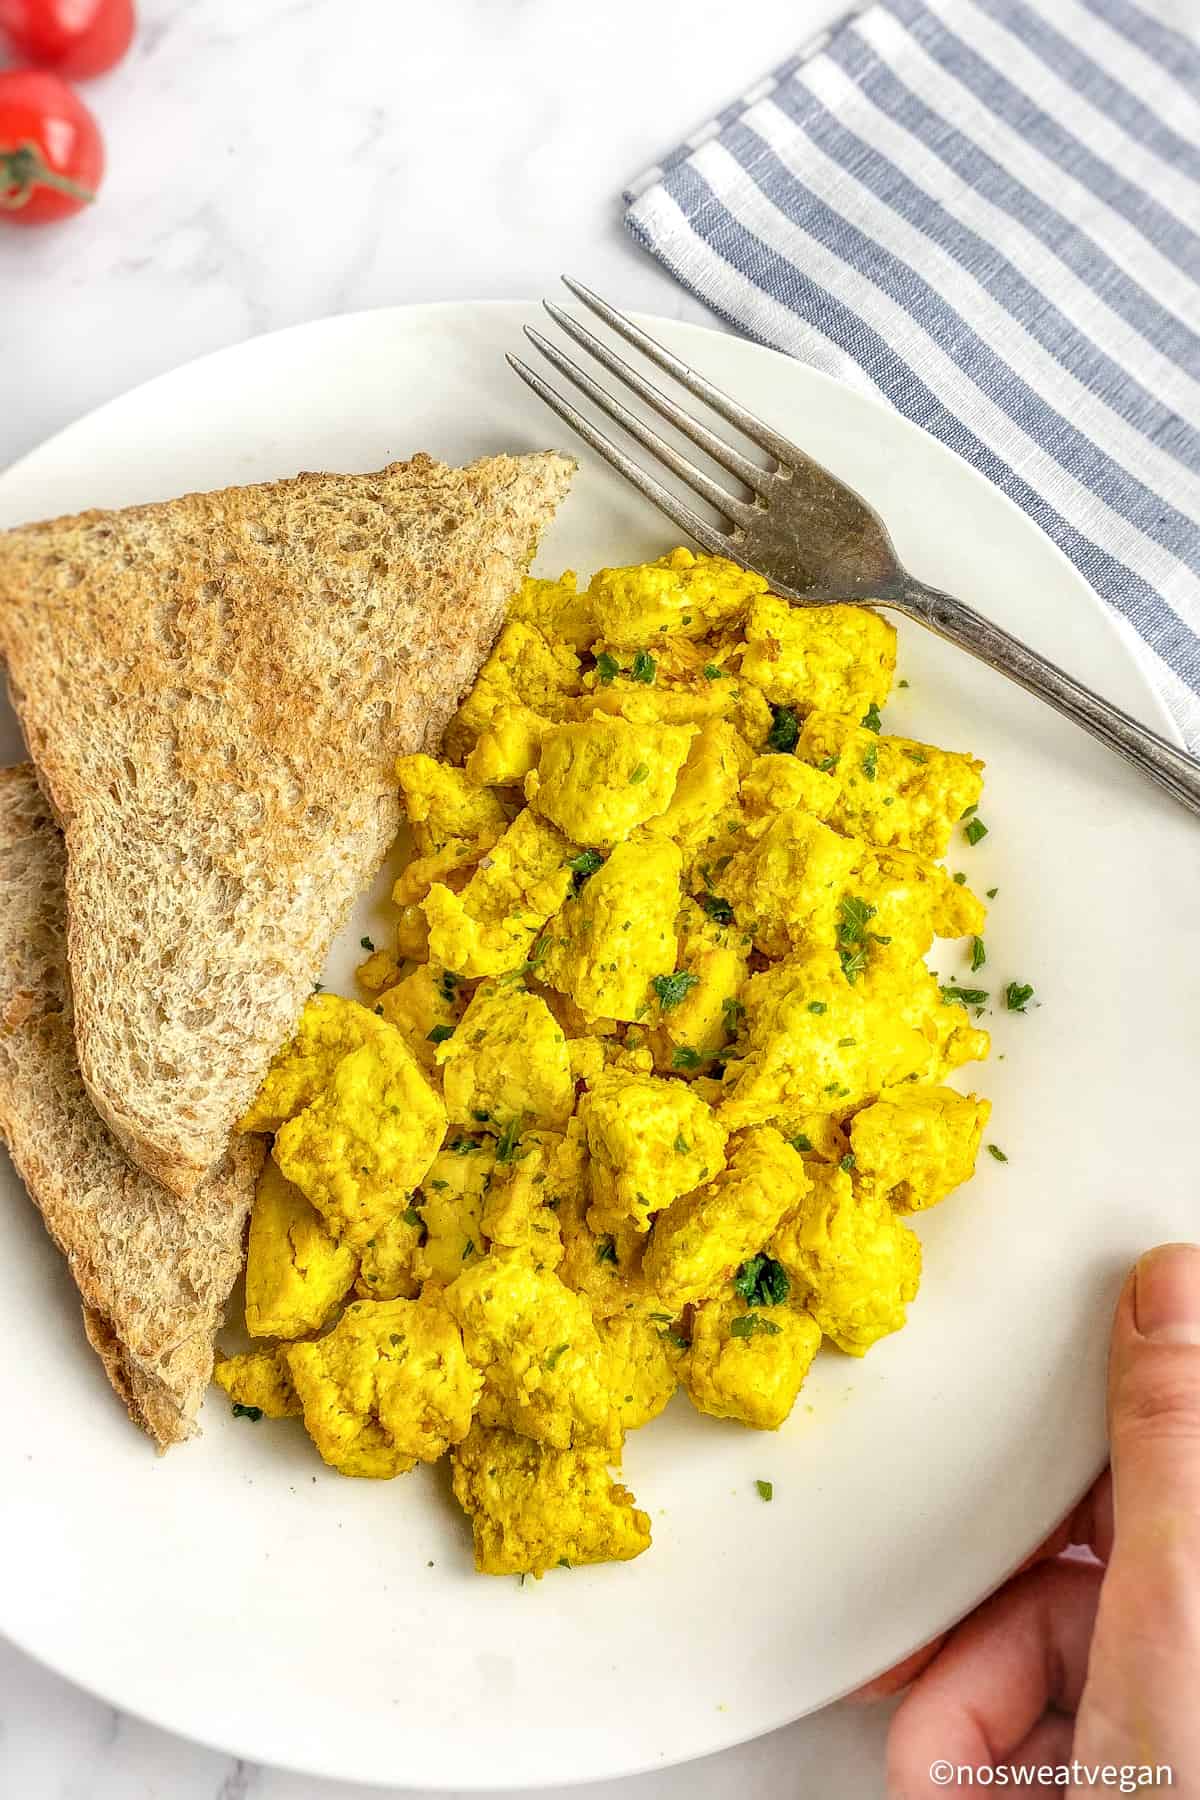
(813,538)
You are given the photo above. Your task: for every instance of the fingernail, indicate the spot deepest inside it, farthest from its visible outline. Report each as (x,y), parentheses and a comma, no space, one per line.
(1166,1294)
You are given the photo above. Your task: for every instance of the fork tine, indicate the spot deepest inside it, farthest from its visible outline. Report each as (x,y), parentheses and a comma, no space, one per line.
(677,510)
(708,441)
(702,484)
(748,423)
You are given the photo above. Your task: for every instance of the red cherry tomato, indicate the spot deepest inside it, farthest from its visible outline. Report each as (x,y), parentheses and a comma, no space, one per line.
(51,151)
(73,37)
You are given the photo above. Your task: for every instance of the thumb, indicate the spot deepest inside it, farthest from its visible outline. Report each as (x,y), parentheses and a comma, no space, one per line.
(1139,1704)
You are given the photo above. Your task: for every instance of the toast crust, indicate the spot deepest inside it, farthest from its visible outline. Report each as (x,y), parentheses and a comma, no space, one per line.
(153,1272)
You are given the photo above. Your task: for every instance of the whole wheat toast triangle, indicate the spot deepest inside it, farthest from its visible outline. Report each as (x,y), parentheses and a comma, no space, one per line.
(215,690)
(153,1271)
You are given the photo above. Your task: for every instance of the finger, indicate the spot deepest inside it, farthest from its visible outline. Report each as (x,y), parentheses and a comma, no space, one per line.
(1023,1652)
(1048,1745)
(1141,1690)
(1088,1527)
(900,1674)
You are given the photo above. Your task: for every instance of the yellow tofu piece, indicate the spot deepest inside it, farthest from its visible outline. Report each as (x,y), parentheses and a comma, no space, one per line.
(509,747)
(388,1387)
(892,790)
(748,1363)
(490,927)
(538,1351)
(854,1264)
(777,783)
(693,700)
(683,594)
(258,1381)
(600,780)
(367,1140)
(784,882)
(521,1208)
(507,1061)
(450,1204)
(702,1238)
(643,1368)
(378,971)
(604,1267)
(837,659)
(557,608)
(587,1057)
(526,668)
(705,796)
(329,1029)
(412,934)
(611,938)
(815,1042)
(703,1016)
(915,901)
(387,1267)
(424,1007)
(916,1144)
(443,804)
(296,1270)
(452,865)
(649,1139)
(533,1508)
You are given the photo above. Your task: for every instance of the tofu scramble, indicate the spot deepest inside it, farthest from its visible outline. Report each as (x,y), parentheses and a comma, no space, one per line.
(653,1075)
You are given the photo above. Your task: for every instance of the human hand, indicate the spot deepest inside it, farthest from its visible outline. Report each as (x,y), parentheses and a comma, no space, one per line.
(1093,1662)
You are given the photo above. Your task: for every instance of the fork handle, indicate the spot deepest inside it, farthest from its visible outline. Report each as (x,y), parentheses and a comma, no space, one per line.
(1152,755)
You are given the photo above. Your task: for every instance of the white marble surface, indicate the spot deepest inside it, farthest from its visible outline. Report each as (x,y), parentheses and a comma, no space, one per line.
(274,162)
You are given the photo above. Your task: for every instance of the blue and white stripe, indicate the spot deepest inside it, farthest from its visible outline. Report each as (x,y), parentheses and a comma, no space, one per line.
(989,211)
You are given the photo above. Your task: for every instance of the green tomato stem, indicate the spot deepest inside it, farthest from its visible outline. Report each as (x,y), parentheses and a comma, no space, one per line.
(24,169)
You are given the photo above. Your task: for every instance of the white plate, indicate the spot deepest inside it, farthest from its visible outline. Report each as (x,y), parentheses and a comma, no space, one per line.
(239,1592)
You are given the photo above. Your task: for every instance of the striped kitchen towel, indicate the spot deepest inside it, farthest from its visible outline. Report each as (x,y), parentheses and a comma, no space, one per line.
(989,212)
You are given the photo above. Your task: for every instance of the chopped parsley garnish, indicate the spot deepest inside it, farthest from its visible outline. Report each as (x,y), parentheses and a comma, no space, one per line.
(766,1490)
(682,1147)
(439,1034)
(447,982)
(318,987)
(845,1043)
(847,1162)
(468,1249)
(644,667)
(1017,996)
(997,1152)
(583,865)
(606,1251)
(871,718)
(827,765)
(992,892)
(506,1144)
(785,729)
(853,939)
(964,996)
(801,1141)
(638,774)
(917,756)
(817,1006)
(607,668)
(731,1011)
(960,878)
(552,1356)
(968,812)
(253,1413)
(718,910)
(712,673)
(978,954)
(974,830)
(367,944)
(761,1281)
(671,989)
(412,1217)
(750,1322)
(869,761)
(686,1058)
(900,684)
(462,1147)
